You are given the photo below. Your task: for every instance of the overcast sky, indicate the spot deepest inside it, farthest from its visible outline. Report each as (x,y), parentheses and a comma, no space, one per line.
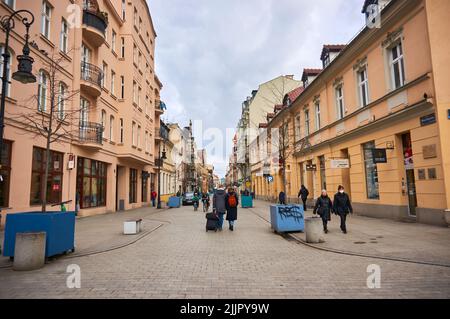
(210,54)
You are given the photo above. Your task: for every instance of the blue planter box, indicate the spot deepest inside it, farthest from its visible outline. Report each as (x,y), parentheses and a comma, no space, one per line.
(287,218)
(174,202)
(59,227)
(246,202)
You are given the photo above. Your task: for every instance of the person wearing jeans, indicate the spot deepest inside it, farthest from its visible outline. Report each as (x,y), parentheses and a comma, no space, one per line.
(219,206)
(342,206)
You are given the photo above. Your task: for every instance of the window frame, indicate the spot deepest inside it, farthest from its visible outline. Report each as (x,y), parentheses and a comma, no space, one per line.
(64,36)
(101,174)
(363,86)
(46,19)
(317,121)
(5,172)
(400,61)
(307,123)
(43,87)
(340,104)
(133,186)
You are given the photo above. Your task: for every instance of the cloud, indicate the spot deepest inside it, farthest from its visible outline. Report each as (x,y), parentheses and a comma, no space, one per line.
(210,54)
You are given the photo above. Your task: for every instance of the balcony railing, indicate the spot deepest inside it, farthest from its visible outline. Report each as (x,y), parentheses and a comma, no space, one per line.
(91,74)
(91,133)
(92,17)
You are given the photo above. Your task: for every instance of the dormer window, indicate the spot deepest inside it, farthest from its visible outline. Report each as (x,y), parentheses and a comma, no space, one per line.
(326,61)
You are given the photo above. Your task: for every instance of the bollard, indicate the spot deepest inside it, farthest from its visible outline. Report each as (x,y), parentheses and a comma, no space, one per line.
(29,251)
(314,230)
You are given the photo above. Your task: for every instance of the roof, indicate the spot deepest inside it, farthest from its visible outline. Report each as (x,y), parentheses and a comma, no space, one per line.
(309,72)
(331,48)
(294,94)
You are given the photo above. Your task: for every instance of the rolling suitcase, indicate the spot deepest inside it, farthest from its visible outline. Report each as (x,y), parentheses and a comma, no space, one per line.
(211,221)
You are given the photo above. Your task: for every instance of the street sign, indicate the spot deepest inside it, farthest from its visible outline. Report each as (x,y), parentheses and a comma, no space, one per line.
(340,163)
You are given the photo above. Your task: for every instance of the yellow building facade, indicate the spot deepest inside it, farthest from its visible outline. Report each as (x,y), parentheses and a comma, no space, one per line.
(376,120)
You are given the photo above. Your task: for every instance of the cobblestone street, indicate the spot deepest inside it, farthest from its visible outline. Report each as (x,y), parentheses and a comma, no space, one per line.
(180,260)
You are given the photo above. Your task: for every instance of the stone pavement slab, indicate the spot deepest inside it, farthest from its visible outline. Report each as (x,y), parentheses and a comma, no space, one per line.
(181,260)
(380,237)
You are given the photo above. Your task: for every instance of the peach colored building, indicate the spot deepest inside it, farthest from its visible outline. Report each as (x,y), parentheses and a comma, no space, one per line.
(376,119)
(105,51)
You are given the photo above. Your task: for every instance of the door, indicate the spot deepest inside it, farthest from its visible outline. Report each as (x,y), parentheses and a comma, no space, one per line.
(346,172)
(85,60)
(408,161)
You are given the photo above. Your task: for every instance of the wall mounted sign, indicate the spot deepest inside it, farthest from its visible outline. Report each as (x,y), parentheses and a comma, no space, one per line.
(340,163)
(428,119)
(432,173)
(71,162)
(422,174)
(311,167)
(379,156)
(429,151)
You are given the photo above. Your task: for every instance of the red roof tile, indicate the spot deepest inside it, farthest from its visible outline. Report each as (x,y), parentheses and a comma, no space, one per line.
(294,94)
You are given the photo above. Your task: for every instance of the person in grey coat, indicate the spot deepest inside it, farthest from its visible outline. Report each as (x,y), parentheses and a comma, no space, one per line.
(324,207)
(219,206)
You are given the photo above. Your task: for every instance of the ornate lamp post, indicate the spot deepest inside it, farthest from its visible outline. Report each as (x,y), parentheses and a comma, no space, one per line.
(162,157)
(24,72)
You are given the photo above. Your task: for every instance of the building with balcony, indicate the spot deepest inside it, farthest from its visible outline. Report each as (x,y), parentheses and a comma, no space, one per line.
(374,120)
(105,160)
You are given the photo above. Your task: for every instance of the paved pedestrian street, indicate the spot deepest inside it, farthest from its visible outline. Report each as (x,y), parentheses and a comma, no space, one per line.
(176,258)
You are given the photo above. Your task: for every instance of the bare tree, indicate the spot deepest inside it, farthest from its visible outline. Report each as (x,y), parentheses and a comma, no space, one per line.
(47,113)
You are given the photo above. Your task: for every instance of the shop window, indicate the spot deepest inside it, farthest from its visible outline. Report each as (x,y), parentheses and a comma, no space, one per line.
(372,185)
(5,173)
(55,175)
(91,183)
(133,185)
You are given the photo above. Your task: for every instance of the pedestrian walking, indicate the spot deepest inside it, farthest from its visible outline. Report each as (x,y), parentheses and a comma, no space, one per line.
(196,200)
(219,206)
(323,208)
(342,206)
(153,197)
(303,195)
(282,198)
(231,204)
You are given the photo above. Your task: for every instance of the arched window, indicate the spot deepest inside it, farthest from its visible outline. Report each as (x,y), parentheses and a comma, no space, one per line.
(2,51)
(62,96)
(42,91)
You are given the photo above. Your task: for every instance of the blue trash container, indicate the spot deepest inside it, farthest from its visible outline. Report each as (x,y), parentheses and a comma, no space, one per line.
(174,202)
(247,202)
(287,218)
(59,227)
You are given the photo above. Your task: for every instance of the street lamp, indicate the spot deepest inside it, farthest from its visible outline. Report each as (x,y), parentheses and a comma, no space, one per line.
(162,157)
(24,71)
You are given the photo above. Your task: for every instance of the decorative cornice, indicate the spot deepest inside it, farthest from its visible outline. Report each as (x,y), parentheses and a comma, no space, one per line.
(392,37)
(360,63)
(316,99)
(338,81)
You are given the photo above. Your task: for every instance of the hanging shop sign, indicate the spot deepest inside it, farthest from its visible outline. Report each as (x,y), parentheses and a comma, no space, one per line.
(379,156)
(340,163)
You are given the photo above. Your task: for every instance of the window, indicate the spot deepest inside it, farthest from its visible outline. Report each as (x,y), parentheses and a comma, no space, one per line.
(146,141)
(135,91)
(46,19)
(144,190)
(146,104)
(133,134)
(135,17)
(371,171)
(91,183)
(363,87)
(122,49)
(42,91)
(135,54)
(140,25)
(103,122)
(10,3)
(124,10)
(340,102)
(122,87)
(111,128)
(139,60)
(139,97)
(139,136)
(113,82)
(62,95)
(5,172)
(397,66)
(63,45)
(307,122)
(133,186)
(55,174)
(105,74)
(8,84)
(84,112)
(113,41)
(121,131)
(317,113)
(298,132)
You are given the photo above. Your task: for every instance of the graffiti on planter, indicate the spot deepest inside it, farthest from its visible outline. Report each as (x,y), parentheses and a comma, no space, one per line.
(294,212)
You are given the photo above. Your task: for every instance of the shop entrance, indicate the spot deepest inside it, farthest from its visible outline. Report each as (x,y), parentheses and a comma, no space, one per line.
(346,172)
(408,162)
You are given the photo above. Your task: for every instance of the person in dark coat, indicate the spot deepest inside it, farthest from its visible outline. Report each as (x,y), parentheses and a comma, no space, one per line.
(342,207)
(324,207)
(282,198)
(231,204)
(303,194)
(219,205)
